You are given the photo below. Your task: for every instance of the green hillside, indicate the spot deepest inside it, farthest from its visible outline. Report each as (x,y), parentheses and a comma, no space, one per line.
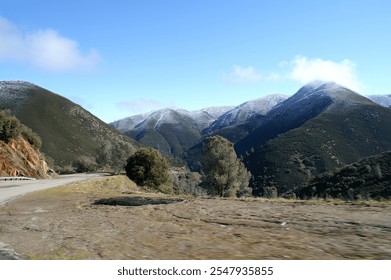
(328,141)
(369,178)
(67,130)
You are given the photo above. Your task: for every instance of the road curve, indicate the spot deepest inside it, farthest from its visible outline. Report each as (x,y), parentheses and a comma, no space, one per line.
(12,189)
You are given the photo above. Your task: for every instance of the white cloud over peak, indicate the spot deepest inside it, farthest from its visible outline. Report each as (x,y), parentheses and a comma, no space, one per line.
(305,70)
(300,69)
(45,49)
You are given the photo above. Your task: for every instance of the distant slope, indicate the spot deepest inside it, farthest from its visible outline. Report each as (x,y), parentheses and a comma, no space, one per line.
(67,130)
(369,178)
(201,118)
(245,112)
(322,127)
(171,131)
(383,100)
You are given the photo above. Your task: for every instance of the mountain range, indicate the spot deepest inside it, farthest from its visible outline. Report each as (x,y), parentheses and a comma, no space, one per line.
(175,131)
(284,141)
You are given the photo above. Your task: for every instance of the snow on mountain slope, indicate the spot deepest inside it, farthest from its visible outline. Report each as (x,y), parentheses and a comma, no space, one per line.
(14,92)
(309,102)
(383,100)
(206,116)
(317,95)
(247,110)
(200,118)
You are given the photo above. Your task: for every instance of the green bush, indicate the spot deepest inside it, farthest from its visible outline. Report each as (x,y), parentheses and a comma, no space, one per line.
(147,167)
(10,128)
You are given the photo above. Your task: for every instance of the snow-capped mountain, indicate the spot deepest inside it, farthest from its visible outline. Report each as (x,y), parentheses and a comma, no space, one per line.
(246,111)
(321,127)
(200,118)
(308,102)
(172,131)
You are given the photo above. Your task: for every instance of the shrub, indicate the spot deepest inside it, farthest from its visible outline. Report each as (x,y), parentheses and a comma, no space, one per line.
(147,167)
(270,192)
(85,164)
(10,127)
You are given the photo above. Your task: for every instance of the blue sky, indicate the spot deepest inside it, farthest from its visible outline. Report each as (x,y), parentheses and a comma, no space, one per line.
(120,58)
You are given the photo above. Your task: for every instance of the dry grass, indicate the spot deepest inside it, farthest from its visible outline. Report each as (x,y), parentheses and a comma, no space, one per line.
(65,223)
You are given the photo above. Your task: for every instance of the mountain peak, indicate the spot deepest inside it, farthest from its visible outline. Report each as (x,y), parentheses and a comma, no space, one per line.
(317,86)
(321,84)
(338,96)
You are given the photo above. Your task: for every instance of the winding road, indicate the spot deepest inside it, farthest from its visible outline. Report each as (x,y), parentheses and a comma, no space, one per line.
(12,189)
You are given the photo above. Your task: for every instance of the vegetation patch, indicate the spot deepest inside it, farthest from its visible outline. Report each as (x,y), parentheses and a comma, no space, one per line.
(136,201)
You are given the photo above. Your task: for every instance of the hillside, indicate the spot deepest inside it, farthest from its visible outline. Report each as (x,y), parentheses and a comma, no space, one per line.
(67,130)
(322,127)
(369,178)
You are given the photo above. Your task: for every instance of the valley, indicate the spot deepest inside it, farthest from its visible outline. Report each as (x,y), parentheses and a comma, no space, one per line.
(66,223)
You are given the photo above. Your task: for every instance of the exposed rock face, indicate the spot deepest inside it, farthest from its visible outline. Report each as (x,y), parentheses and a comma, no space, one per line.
(19,158)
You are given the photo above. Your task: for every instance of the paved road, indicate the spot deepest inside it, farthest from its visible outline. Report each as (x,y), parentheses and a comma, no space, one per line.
(11,189)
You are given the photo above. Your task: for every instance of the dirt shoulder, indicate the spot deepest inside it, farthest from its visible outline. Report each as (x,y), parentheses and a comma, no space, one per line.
(70,222)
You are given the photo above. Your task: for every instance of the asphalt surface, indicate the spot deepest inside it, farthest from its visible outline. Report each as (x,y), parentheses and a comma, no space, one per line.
(12,189)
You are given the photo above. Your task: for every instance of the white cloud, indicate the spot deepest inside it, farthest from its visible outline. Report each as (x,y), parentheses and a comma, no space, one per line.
(138,106)
(248,74)
(45,49)
(305,70)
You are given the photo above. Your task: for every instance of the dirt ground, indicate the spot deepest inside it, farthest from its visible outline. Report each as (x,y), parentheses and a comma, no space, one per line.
(75,222)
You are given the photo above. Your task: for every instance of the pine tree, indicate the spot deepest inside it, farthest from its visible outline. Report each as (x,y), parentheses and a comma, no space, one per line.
(224,174)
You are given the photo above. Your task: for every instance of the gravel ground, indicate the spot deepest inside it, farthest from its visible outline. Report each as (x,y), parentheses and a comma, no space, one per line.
(92,221)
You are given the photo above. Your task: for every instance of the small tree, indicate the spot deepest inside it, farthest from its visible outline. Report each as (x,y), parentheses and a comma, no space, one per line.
(85,164)
(147,167)
(113,155)
(224,174)
(10,127)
